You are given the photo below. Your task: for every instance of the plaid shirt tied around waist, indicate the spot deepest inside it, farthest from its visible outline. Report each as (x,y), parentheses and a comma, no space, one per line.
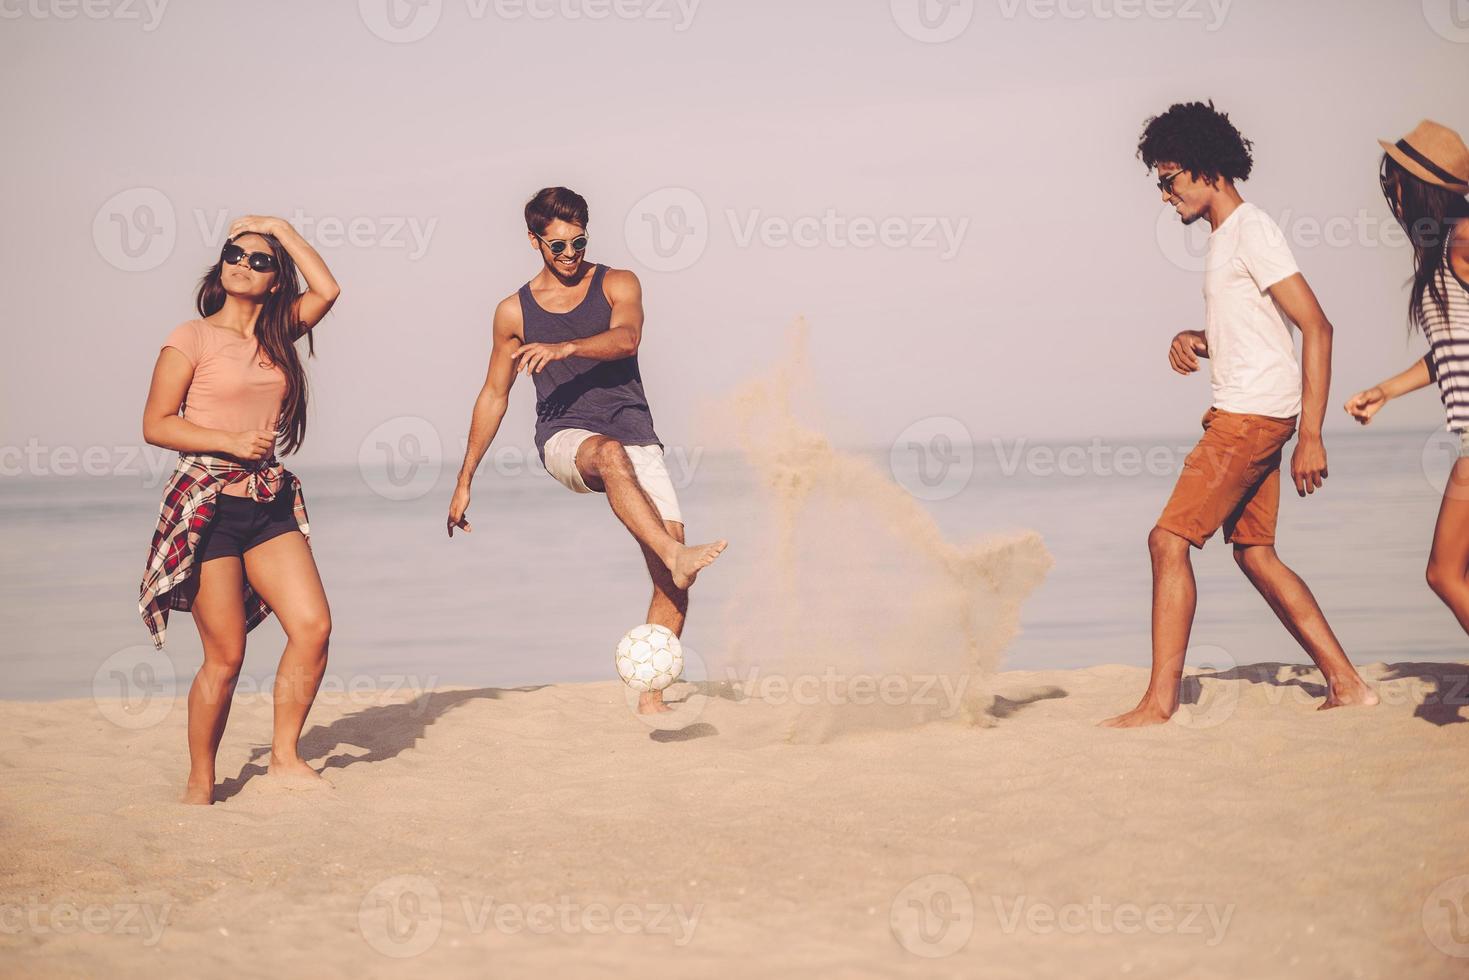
(189,503)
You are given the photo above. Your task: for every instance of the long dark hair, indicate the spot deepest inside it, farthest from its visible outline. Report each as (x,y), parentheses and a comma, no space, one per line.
(276,331)
(1427,213)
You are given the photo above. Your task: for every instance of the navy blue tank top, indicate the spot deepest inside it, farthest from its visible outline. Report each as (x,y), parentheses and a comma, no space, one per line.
(605,397)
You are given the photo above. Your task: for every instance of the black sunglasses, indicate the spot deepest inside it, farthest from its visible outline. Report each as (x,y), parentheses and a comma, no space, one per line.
(233,254)
(1165,184)
(557,246)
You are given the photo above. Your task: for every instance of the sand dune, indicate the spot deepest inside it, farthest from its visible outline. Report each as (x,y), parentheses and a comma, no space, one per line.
(548,831)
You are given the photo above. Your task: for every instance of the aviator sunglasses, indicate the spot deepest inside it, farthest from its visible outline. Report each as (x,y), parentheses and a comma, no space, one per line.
(557,246)
(233,254)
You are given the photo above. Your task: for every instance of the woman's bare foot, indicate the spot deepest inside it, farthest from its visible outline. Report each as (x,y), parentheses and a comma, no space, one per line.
(198,792)
(692,559)
(1148,712)
(651,702)
(292,768)
(1353,694)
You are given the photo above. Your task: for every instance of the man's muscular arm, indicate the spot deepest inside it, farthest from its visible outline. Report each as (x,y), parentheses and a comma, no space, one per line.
(619,340)
(490,406)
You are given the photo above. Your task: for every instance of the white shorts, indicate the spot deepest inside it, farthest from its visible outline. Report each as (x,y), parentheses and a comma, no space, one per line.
(647,464)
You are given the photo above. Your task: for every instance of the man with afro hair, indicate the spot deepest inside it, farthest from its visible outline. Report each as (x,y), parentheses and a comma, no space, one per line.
(1253,294)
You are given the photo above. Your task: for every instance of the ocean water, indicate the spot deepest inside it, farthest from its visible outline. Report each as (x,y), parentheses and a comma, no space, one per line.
(548,580)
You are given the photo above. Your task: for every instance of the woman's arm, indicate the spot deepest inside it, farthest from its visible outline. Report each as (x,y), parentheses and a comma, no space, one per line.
(321,287)
(164,427)
(1365,404)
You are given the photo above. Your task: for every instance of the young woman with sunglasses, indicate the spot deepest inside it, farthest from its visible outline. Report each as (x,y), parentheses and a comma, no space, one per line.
(1425,177)
(229,394)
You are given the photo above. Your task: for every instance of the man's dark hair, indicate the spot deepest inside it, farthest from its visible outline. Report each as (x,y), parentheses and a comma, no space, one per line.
(555,204)
(1200,139)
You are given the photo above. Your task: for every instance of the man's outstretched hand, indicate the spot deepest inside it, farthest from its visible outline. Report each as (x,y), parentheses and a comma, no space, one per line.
(457,508)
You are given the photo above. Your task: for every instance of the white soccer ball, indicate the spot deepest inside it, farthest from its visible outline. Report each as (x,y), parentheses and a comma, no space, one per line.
(649,657)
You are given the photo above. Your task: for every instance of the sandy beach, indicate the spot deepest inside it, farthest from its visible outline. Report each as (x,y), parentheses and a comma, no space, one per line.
(549,831)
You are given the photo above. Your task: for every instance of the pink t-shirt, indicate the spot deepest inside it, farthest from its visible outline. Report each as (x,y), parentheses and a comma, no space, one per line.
(235,387)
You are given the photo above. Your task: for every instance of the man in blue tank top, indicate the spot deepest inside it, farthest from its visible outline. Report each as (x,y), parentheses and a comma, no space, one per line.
(575,329)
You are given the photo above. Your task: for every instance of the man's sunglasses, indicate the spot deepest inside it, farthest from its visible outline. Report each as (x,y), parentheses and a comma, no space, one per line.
(233,254)
(1165,184)
(557,246)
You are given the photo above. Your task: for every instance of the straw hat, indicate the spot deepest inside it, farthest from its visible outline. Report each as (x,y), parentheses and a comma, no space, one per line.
(1433,153)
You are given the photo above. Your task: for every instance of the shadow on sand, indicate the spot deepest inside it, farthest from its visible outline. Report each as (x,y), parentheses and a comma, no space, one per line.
(1439,694)
(384,730)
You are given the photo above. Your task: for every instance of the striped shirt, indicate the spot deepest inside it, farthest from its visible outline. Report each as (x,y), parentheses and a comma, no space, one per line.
(1448,343)
(189,503)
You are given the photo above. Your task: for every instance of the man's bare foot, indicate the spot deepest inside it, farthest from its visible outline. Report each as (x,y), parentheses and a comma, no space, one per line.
(1144,714)
(198,793)
(692,559)
(293,768)
(651,703)
(1355,694)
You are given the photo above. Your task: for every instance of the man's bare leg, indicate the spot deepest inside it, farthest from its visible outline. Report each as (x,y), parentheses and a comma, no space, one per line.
(669,607)
(1175,596)
(605,465)
(1298,612)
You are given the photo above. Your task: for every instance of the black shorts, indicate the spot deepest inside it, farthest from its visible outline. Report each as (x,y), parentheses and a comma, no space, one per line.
(241,523)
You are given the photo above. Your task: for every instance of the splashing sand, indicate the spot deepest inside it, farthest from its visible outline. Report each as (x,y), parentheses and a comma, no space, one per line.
(859,613)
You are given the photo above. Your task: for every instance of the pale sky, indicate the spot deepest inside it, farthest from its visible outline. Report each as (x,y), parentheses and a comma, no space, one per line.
(1026,286)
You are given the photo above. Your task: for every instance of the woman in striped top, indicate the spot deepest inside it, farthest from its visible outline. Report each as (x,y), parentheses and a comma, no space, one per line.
(1425,177)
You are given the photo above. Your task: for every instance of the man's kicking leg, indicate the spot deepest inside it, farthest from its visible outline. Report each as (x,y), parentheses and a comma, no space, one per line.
(605,465)
(669,607)
(1296,607)
(1175,596)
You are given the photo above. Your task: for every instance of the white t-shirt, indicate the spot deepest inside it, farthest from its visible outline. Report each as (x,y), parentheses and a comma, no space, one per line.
(1252,350)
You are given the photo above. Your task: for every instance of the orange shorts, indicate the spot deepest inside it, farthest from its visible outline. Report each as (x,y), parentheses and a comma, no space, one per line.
(1230,480)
